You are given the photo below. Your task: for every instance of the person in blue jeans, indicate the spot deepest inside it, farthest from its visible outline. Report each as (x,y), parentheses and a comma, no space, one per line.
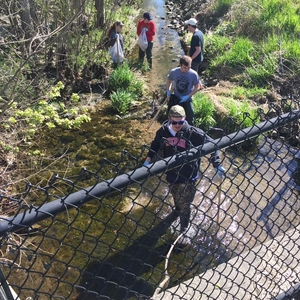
(186,83)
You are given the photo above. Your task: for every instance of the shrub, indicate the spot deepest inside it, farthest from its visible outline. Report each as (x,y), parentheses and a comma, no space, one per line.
(122,78)
(242,113)
(121,101)
(204,110)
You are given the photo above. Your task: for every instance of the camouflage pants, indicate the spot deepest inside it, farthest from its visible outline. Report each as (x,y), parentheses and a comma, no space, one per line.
(183,195)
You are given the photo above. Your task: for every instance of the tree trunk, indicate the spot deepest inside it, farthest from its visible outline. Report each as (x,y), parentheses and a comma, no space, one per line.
(25,17)
(99,4)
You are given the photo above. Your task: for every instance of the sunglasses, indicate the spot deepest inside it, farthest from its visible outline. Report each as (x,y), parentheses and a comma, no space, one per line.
(177,123)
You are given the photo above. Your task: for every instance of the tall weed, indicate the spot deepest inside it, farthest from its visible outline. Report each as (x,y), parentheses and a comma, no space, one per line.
(204,111)
(121,101)
(243,114)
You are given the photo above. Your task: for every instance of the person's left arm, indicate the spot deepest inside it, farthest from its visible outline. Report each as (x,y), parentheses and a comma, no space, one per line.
(151,30)
(197,48)
(199,138)
(195,89)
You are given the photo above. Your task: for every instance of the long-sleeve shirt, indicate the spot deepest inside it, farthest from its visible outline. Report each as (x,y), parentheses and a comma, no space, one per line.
(151,29)
(185,139)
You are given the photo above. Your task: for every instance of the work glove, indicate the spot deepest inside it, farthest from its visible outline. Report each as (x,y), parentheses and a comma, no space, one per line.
(168,93)
(220,171)
(184,99)
(146,163)
(116,36)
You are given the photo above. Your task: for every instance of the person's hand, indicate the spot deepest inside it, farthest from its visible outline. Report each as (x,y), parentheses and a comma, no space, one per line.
(116,36)
(168,93)
(220,171)
(184,99)
(146,163)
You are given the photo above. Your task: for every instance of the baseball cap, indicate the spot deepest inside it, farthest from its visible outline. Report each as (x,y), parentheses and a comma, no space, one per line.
(147,16)
(119,23)
(191,21)
(177,111)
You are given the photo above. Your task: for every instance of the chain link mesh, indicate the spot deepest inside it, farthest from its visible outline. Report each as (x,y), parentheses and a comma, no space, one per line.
(93,238)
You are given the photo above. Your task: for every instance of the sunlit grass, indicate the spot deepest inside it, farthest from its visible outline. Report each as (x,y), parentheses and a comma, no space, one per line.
(204,111)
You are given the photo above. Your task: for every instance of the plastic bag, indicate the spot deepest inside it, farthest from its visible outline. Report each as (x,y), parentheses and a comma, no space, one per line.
(116,52)
(142,40)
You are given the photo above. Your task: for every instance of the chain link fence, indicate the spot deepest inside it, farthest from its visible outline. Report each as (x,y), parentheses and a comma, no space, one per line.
(98,238)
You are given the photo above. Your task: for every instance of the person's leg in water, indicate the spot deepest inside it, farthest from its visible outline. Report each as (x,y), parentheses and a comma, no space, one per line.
(183,195)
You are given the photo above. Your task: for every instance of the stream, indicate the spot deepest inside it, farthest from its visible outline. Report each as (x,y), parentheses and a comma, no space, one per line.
(115,247)
(166,47)
(256,201)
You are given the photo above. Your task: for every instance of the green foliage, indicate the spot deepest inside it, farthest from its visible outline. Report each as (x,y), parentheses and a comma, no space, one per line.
(49,113)
(243,93)
(124,87)
(240,54)
(55,91)
(243,114)
(262,40)
(204,111)
(261,73)
(222,6)
(121,78)
(216,45)
(121,101)
(281,16)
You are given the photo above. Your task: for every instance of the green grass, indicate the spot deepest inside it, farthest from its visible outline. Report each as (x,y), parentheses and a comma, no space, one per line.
(204,111)
(260,39)
(242,113)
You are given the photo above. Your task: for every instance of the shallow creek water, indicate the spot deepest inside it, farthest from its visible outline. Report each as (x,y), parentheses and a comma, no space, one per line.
(254,203)
(166,47)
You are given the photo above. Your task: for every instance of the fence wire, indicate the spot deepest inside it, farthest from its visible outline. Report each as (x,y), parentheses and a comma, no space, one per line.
(97,238)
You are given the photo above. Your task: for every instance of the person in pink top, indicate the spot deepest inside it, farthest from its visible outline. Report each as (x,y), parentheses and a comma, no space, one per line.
(147,23)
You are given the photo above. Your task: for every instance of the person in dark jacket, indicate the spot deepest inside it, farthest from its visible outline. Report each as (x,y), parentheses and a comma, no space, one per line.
(174,136)
(196,49)
(115,33)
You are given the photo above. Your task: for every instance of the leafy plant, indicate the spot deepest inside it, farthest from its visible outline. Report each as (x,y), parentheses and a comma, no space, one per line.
(204,111)
(241,53)
(121,101)
(51,113)
(124,88)
(242,113)
(123,78)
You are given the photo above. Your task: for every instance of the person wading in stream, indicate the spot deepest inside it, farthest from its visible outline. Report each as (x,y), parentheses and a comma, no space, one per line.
(186,83)
(150,28)
(174,136)
(197,43)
